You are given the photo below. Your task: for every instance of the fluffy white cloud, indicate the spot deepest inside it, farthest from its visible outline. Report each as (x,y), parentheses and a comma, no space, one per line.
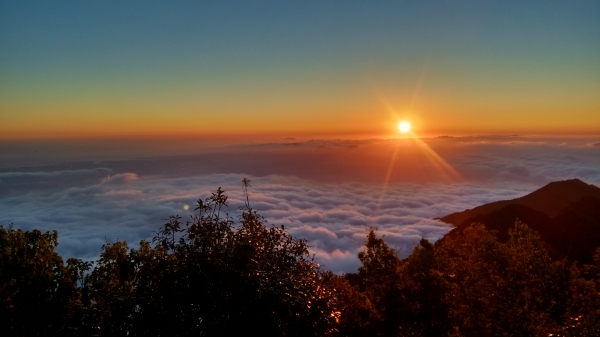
(331,203)
(333,218)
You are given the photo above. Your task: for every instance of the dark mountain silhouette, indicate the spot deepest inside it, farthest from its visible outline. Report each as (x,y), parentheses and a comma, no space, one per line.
(566,214)
(550,200)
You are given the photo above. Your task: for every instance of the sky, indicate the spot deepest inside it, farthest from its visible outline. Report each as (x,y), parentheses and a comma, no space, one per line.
(115,115)
(112,69)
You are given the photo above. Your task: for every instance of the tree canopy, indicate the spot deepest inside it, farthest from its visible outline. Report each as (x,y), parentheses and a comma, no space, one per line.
(213,276)
(39,295)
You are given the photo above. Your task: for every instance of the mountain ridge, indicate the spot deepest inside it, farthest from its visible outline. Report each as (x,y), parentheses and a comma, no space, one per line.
(566,215)
(550,199)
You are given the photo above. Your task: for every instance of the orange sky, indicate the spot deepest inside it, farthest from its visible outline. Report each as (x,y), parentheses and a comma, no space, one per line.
(214,71)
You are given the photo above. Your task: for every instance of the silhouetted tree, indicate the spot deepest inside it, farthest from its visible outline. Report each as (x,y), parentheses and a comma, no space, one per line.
(503,289)
(355,313)
(401,297)
(38,292)
(211,277)
(379,278)
(423,286)
(470,285)
(583,315)
(110,292)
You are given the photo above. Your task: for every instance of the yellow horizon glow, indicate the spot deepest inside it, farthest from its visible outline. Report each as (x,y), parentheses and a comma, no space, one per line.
(374,112)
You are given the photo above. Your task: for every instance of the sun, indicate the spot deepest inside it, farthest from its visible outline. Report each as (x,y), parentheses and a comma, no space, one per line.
(404,127)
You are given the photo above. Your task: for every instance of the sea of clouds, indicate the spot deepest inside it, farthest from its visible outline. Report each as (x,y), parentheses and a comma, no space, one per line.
(331,203)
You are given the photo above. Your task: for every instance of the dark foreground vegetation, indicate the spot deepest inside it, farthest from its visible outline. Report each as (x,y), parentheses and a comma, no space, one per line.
(213,277)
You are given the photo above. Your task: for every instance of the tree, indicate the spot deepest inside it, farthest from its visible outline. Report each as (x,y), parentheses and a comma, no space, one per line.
(355,313)
(212,277)
(402,297)
(583,314)
(38,292)
(109,292)
(503,289)
(470,285)
(378,278)
(423,287)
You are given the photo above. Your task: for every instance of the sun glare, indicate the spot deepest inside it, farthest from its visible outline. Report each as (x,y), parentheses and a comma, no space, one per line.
(404,126)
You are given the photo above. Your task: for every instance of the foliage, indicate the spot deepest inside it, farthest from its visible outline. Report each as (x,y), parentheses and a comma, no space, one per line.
(356,313)
(38,292)
(423,286)
(472,285)
(210,276)
(583,315)
(394,297)
(379,277)
(503,289)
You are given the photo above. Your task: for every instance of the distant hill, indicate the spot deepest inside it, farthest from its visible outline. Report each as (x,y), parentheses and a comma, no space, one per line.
(566,214)
(550,200)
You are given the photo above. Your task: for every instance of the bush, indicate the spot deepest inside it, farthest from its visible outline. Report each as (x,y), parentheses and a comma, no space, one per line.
(38,292)
(211,277)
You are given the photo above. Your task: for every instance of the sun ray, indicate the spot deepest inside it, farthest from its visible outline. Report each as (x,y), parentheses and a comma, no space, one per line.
(435,160)
(388,174)
(419,85)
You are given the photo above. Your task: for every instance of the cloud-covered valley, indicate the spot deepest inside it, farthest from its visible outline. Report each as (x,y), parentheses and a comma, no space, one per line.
(331,203)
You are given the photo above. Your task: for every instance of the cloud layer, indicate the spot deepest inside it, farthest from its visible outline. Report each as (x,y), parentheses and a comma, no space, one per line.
(333,218)
(91,203)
